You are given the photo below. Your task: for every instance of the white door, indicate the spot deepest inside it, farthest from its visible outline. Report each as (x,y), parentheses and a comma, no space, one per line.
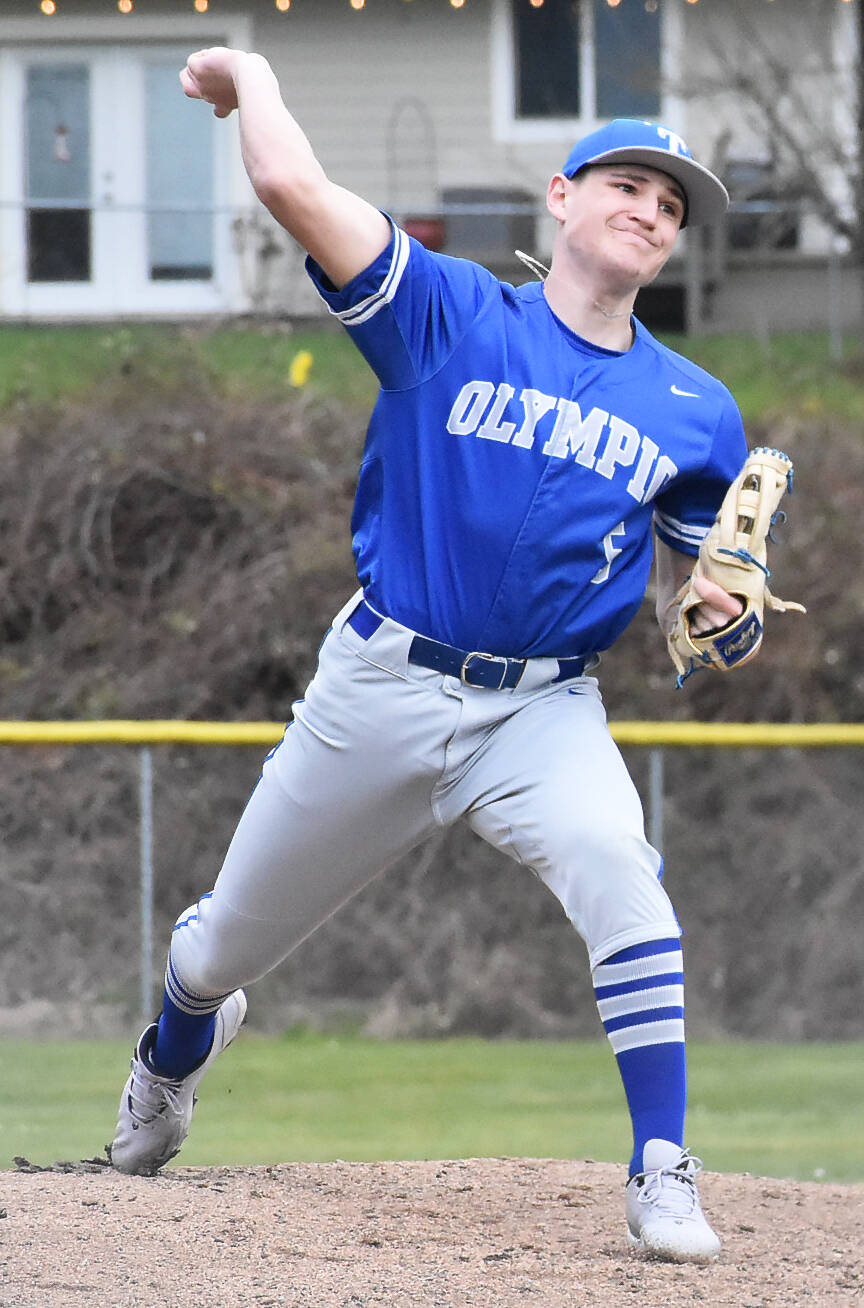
(113,185)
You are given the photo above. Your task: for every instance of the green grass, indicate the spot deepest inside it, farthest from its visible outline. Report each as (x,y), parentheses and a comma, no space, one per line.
(250,361)
(786,374)
(772,1110)
(54,364)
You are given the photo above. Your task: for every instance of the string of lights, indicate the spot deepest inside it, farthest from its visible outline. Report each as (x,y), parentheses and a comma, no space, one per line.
(52,7)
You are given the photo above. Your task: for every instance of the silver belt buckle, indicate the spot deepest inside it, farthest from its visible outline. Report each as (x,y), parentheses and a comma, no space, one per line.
(490,658)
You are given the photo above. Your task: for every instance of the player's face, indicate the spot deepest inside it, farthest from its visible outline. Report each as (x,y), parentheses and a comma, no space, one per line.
(622,219)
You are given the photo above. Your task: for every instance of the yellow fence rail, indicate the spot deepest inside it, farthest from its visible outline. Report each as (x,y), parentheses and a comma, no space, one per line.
(738,735)
(655,736)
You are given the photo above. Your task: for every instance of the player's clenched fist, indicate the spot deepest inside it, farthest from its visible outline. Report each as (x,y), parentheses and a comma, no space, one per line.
(209,76)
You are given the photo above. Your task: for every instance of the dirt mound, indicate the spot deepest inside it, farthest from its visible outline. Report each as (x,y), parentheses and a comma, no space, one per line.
(490,1233)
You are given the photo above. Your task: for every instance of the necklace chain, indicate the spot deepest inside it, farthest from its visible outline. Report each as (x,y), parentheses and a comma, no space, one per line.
(607,314)
(540,270)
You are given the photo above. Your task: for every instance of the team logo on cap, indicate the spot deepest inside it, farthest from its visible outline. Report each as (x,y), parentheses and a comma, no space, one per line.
(672,142)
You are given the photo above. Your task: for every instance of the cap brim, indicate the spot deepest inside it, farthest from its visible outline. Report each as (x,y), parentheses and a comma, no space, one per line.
(707,197)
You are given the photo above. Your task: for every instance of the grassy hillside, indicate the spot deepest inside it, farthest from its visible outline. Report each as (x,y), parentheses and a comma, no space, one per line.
(790,376)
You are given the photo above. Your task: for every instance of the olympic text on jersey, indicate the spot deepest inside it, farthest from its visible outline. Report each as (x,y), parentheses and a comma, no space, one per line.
(600,440)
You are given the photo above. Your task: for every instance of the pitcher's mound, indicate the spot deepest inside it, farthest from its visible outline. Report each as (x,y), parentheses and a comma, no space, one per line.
(477,1233)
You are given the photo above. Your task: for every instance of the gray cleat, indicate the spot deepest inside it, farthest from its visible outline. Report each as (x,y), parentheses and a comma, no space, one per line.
(156,1111)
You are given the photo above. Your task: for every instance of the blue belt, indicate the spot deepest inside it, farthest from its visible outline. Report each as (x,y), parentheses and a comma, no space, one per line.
(472,667)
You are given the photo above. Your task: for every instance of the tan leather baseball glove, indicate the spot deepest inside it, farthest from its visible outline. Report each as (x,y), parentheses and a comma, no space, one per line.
(734,555)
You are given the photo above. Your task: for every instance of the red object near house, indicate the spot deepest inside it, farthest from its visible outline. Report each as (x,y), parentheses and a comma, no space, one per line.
(428,231)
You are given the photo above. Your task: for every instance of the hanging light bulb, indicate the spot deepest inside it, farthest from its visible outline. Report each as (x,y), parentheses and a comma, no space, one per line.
(48,7)
(283,6)
(536,4)
(201,6)
(358,4)
(613,4)
(125,6)
(457,4)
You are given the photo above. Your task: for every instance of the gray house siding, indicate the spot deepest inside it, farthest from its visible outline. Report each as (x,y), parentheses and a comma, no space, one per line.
(397,101)
(395,98)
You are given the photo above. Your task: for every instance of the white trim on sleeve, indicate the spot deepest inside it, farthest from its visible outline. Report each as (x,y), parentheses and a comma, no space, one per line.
(686,532)
(368,307)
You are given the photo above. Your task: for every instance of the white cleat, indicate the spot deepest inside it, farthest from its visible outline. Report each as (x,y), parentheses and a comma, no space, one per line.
(664,1217)
(156,1111)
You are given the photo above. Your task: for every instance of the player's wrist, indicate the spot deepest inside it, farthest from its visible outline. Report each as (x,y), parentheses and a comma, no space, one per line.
(249,64)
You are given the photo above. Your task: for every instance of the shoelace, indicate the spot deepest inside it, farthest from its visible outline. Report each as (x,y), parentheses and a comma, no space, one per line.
(673,1189)
(149,1098)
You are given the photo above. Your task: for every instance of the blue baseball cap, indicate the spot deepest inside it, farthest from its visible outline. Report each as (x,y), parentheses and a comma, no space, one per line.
(632,140)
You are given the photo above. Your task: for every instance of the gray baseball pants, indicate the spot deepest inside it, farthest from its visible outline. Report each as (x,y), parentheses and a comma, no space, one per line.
(381,754)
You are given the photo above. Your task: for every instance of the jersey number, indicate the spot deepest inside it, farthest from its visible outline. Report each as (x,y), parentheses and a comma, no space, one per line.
(611,551)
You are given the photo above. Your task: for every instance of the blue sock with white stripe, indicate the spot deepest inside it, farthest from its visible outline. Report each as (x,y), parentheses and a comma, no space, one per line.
(640,998)
(182,1040)
(185,1031)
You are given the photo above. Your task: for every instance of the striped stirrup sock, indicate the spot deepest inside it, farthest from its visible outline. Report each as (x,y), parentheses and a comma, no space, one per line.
(185,1031)
(640,998)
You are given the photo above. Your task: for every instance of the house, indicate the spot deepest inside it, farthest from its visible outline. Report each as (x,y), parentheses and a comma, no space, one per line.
(120,198)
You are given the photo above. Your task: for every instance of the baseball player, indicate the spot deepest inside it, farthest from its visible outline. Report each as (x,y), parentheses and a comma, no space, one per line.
(530,450)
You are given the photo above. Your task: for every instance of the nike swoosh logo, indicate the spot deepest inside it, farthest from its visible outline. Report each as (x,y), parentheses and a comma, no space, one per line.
(692,395)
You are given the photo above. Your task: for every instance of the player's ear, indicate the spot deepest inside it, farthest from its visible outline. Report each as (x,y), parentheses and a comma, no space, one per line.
(556,194)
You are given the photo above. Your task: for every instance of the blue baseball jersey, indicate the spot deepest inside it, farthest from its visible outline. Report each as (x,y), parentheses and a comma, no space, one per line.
(512,470)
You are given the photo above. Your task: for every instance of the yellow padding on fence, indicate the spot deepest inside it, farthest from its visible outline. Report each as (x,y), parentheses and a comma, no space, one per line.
(759,735)
(153,732)
(740,734)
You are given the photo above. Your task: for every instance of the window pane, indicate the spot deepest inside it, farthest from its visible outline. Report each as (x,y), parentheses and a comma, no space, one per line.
(58,245)
(547,59)
(57,119)
(179,180)
(627,41)
(57,168)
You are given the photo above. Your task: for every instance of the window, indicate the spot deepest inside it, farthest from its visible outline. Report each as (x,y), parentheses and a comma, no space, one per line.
(586,59)
(57,163)
(547,43)
(179,170)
